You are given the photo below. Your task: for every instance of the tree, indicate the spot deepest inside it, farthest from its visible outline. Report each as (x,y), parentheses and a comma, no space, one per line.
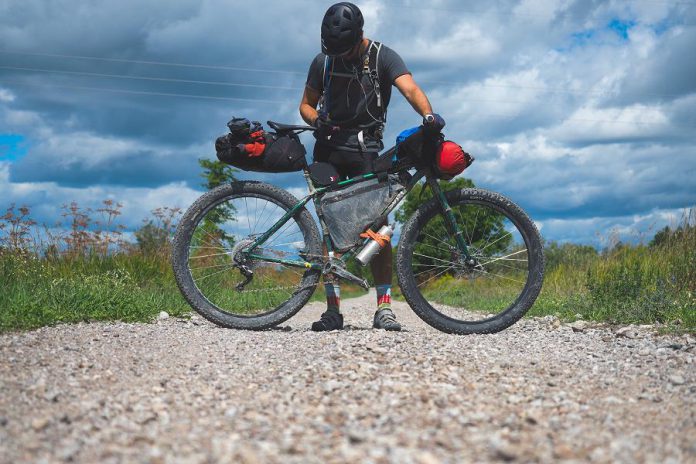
(482,228)
(215,174)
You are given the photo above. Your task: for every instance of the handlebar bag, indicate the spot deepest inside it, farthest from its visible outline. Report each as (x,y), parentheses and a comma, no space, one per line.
(351,210)
(417,146)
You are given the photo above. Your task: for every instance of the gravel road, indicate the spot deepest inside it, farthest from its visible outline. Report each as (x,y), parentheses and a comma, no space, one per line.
(187,391)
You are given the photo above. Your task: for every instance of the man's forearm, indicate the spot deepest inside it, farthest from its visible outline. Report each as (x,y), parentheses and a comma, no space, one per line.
(308,113)
(419,101)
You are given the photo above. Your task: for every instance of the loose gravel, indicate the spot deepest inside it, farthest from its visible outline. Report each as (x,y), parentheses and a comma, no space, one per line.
(190,392)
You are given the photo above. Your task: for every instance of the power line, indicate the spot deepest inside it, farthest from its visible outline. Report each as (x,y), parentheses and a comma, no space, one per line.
(157,63)
(146,78)
(139,92)
(508,116)
(425,81)
(273,87)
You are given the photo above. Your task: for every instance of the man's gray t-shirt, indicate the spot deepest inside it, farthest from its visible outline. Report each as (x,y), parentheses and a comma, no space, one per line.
(346,96)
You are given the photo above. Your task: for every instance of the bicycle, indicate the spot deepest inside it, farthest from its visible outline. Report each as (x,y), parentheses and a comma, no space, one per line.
(248,255)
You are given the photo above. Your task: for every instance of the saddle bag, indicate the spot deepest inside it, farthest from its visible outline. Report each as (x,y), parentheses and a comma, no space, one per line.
(250,148)
(349,211)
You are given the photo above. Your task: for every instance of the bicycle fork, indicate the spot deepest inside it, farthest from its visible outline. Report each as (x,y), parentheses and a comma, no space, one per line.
(450,221)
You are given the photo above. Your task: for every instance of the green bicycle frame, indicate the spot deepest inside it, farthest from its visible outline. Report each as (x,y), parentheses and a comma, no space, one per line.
(315,192)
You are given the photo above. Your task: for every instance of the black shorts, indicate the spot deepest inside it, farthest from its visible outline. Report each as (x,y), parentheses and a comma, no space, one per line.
(347,163)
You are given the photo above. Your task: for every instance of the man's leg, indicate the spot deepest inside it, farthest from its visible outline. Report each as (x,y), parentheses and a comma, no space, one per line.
(331,319)
(381,266)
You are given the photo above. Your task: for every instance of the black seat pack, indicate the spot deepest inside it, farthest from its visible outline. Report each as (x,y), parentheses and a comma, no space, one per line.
(250,148)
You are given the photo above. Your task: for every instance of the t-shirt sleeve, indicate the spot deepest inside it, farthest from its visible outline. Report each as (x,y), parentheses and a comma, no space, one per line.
(315,76)
(391,65)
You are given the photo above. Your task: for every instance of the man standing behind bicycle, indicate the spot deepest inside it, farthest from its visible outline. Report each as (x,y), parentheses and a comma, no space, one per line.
(350,84)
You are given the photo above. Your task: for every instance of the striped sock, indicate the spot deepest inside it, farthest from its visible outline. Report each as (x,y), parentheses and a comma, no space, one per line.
(333,297)
(383,296)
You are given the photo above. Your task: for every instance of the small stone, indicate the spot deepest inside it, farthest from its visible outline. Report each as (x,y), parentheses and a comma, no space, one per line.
(39,423)
(627,332)
(331,385)
(52,396)
(563,451)
(230,413)
(612,400)
(579,326)
(163,316)
(502,449)
(3,421)
(427,458)
(676,379)
(356,436)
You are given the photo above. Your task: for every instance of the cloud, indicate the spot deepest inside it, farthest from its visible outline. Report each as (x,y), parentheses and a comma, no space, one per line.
(578,110)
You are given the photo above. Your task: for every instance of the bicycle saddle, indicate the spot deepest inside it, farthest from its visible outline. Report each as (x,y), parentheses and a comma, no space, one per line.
(278,127)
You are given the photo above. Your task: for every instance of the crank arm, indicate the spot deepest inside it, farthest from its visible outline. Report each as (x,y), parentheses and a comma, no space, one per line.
(344,274)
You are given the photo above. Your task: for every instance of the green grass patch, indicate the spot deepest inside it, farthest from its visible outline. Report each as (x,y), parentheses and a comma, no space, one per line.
(642,284)
(39,292)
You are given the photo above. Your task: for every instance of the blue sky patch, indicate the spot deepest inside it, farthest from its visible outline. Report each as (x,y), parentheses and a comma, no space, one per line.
(621,27)
(12,147)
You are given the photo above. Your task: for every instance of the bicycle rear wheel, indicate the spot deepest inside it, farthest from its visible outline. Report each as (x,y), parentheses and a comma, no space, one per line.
(211,266)
(487,294)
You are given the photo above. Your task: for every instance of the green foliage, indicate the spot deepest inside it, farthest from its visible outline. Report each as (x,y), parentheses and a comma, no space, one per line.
(568,254)
(421,193)
(216,173)
(151,238)
(39,292)
(483,228)
(624,284)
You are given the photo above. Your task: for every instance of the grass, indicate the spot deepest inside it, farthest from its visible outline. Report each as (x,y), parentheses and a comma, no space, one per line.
(40,292)
(92,275)
(639,284)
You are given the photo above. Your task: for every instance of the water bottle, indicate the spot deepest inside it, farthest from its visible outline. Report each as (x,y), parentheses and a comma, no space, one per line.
(372,248)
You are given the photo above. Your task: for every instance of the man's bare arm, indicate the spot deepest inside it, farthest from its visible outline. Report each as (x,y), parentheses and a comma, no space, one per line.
(308,106)
(413,94)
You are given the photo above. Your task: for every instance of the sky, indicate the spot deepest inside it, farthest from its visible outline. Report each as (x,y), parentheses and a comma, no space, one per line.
(583,112)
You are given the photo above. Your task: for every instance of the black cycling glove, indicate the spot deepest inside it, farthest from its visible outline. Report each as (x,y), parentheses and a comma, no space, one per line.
(323,123)
(434,121)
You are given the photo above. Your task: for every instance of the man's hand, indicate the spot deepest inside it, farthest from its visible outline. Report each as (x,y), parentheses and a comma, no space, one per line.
(323,123)
(434,121)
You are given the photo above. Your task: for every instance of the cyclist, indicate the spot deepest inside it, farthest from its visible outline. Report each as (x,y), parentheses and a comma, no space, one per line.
(346,96)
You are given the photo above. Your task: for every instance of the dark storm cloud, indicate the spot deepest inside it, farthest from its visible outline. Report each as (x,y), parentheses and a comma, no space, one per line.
(142,169)
(576,109)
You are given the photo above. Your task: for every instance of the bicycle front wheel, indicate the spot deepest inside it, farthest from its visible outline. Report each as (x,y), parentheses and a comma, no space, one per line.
(485,294)
(215,270)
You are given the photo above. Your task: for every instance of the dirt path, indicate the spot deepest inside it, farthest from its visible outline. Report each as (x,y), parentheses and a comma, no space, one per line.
(180,391)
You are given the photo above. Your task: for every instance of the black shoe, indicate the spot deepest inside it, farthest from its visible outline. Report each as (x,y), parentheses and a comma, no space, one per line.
(330,320)
(385,319)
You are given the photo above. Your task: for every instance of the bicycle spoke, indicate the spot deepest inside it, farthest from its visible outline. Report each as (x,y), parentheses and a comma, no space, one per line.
(505,257)
(483,289)
(240,220)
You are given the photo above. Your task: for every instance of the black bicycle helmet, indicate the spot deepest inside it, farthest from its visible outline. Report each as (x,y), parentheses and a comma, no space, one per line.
(341,29)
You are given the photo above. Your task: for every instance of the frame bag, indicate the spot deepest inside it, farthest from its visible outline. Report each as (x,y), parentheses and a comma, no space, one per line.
(349,211)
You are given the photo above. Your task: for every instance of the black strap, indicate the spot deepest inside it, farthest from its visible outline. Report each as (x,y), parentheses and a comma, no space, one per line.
(370,67)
